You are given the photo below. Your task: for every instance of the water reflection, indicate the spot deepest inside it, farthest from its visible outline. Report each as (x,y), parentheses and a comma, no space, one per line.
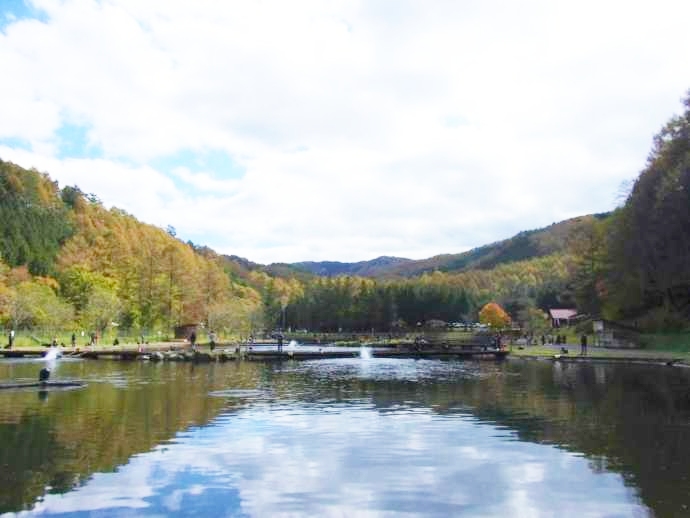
(349,437)
(346,460)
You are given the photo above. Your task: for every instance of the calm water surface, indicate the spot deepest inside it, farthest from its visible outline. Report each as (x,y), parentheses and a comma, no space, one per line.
(347,437)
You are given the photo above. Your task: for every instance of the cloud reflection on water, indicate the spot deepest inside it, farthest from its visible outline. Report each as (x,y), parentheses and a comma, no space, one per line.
(349,460)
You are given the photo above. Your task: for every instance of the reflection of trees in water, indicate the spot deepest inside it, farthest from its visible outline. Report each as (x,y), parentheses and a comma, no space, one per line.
(636,423)
(28,461)
(61,441)
(628,419)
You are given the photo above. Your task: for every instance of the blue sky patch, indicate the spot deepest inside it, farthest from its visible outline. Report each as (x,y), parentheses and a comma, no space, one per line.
(14,10)
(16,143)
(216,162)
(214,500)
(73,142)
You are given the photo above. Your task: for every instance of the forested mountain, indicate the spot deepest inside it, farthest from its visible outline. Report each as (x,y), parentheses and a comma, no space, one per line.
(645,273)
(526,245)
(67,262)
(631,265)
(346,302)
(379,267)
(34,222)
(71,263)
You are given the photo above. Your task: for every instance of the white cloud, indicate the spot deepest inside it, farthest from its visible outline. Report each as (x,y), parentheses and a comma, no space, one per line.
(362,128)
(269,460)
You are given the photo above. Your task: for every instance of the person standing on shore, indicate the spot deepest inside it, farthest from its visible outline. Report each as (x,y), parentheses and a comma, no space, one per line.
(10,339)
(212,340)
(583,345)
(192,340)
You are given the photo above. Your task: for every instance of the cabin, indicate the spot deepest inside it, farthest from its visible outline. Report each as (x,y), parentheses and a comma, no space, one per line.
(562,317)
(615,335)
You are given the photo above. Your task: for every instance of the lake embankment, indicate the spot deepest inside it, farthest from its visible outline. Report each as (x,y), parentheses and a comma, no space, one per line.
(672,352)
(177,351)
(672,356)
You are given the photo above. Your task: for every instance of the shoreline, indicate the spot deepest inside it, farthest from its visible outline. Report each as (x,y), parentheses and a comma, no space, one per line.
(202,353)
(600,354)
(235,351)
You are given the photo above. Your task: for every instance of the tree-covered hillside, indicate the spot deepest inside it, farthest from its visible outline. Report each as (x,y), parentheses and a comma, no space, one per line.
(379,267)
(526,288)
(645,273)
(631,265)
(34,221)
(69,263)
(526,245)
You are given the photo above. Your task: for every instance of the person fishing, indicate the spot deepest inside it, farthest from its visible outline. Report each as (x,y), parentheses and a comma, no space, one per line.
(43,375)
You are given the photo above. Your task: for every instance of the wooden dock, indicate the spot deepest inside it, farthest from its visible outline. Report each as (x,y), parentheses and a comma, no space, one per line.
(43,385)
(177,352)
(94,352)
(497,354)
(273,355)
(22,353)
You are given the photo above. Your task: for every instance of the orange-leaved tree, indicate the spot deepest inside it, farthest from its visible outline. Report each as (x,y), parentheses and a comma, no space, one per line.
(494,315)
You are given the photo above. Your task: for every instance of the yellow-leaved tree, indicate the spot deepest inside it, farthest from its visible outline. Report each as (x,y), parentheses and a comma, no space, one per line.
(494,315)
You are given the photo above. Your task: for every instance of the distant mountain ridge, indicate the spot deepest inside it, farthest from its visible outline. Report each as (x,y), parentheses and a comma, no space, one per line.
(372,268)
(525,245)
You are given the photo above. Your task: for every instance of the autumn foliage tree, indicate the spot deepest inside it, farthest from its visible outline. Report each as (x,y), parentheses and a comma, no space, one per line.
(34,222)
(494,315)
(68,262)
(648,255)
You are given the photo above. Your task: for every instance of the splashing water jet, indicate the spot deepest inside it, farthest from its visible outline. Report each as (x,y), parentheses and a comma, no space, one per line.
(365,353)
(53,354)
(50,359)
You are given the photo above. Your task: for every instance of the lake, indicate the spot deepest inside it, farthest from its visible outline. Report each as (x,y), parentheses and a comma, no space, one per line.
(347,437)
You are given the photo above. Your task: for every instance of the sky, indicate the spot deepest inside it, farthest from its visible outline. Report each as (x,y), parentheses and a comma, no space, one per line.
(342,130)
